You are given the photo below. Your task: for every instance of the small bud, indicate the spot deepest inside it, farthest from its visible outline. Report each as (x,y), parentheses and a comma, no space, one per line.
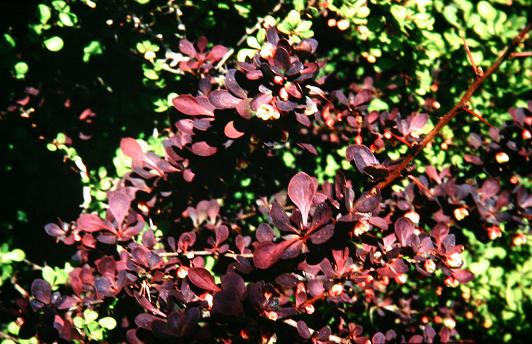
(487,323)
(449,323)
(514,180)
(430,266)
(451,282)
(454,260)
(384,280)
(267,51)
(358,140)
(387,135)
(525,134)
(267,112)
(182,272)
(361,227)
(461,213)
(283,94)
(279,80)
(425,319)
(413,216)
(469,315)
(401,279)
(337,289)
(310,309)
(438,319)
(519,239)
(436,105)
(371,59)
(244,334)
(272,315)
(502,157)
(331,22)
(494,232)
(342,24)
(149,55)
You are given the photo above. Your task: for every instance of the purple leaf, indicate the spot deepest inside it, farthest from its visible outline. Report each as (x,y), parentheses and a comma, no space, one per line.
(233,86)
(280,218)
(216,53)
(322,215)
(231,132)
(42,291)
(267,253)
(203,149)
(131,148)
(303,330)
(301,190)
(404,228)
(264,233)
(203,279)
(191,106)
(322,235)
(119,203)
(91,223)
(368,201)
(187,48)
(463,276)
(378,338)
(222,99)
(361,156)
(54,230)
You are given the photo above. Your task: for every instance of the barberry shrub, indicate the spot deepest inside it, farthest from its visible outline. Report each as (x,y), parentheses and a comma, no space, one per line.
(341,257)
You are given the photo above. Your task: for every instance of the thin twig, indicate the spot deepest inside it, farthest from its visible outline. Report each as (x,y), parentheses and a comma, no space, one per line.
(445,119)
(476,69)
(473,113)
(332,338)
(249,31)
(523,54)
(205,253)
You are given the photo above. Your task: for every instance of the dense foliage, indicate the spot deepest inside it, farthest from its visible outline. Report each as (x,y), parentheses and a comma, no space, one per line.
(243,171)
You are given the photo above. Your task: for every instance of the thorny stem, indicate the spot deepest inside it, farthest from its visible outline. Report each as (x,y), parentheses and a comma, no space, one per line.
(523,54)
(445,119)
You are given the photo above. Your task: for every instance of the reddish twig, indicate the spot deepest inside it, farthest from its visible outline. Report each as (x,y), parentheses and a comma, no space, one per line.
(523,54)
(473,113)
(445,119)
(477,70)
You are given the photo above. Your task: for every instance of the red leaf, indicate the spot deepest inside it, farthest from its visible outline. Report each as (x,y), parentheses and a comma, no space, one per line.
(404,228)
(361,156)
(222,99)
(203,149)
(187,48)
(267,253)
(322,235)
(216,53)
(231,132)
(119,203)
(132,149)
(189,105)
(203,279)
(301,190)
(91,223)
(463,276)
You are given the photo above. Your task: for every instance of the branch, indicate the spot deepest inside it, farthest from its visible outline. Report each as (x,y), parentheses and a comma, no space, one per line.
(445,119)
(523,54)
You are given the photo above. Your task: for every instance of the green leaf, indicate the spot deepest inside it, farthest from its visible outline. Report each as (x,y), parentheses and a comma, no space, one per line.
(486,10)
(17,255)
(107,323)
(90,315)
(68,19)
(21,68)
(92,49)
(54,43)
(45,13)
(79,322)
(48,274)
(377,105)
(293,19)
